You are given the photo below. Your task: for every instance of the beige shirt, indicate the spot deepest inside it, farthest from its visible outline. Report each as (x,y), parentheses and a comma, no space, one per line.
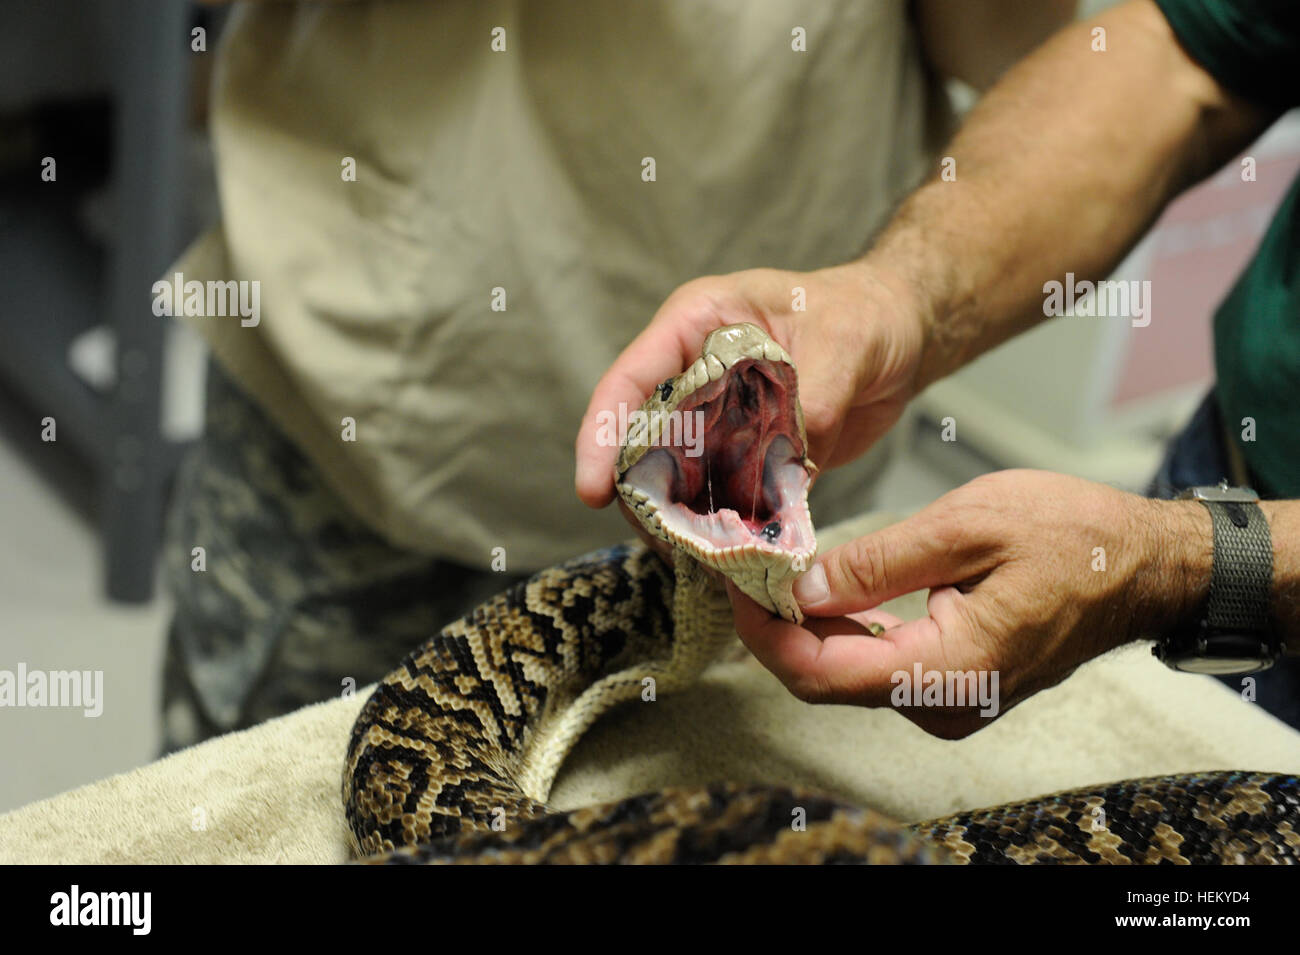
(522,170)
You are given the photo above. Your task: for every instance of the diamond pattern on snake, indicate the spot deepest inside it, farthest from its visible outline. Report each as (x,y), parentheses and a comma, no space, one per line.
(452,758)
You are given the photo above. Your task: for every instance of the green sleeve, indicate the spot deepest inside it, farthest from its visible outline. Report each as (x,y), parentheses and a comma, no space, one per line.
(1250,46)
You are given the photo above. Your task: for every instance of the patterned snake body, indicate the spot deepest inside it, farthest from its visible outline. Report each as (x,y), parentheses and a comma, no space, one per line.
(453,756)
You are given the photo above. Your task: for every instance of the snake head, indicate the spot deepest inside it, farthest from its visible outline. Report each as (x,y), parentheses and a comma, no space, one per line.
(715,463)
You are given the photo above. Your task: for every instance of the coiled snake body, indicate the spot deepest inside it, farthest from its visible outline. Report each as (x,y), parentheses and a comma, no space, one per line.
(453,756)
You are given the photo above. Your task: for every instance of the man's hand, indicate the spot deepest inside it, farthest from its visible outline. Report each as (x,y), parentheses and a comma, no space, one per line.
(856,343)
(1030,574)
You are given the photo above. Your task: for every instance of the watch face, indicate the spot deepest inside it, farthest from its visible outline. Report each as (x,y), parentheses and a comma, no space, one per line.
(1221,666)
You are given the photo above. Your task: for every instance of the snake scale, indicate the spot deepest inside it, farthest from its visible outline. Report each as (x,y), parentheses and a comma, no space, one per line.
(452,758)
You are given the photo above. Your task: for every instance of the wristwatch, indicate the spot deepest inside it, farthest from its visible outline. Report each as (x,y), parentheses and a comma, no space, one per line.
(1234,632)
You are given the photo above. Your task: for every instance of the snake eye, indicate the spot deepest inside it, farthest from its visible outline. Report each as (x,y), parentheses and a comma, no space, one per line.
(666,390)
(772,531)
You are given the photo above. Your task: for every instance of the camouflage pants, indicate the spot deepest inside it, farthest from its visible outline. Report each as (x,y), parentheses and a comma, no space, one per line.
(290,599)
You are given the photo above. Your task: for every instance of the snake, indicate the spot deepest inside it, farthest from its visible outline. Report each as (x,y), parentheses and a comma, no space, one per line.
(452,757)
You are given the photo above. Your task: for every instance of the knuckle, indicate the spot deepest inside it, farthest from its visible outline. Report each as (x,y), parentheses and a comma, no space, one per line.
(988,489)
(949,539)
(981,484)
(862,567)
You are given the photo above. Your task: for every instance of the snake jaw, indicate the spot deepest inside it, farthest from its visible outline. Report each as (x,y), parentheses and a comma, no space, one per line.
(739,504)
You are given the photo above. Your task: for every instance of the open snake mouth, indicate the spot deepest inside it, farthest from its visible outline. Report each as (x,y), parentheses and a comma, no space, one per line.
(730,471)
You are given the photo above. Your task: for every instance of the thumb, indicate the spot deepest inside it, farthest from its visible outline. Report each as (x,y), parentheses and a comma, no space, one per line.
(897,560)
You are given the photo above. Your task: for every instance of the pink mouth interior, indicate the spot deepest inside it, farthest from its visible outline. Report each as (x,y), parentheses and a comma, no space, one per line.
(747,486)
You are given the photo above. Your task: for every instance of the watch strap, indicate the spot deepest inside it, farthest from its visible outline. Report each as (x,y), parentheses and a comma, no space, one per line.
(1242,578)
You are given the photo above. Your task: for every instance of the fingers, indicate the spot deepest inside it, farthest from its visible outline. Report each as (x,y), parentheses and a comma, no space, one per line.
(915,554)
(836,660)
(597,444)
(829,661)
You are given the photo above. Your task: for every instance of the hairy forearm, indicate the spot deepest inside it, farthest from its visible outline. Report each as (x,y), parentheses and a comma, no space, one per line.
(1061,167)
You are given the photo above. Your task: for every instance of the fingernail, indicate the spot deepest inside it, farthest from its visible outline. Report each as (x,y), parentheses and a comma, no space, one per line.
(812,588)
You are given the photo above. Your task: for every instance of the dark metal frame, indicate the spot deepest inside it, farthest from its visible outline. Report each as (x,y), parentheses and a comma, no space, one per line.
(58,284)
